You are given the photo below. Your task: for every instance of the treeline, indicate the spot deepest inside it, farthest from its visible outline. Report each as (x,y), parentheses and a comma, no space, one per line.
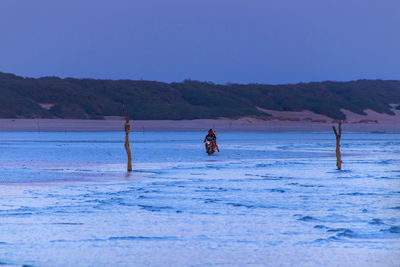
(148,100)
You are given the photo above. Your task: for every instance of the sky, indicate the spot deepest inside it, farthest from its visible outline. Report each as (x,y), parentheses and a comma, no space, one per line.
(241,41)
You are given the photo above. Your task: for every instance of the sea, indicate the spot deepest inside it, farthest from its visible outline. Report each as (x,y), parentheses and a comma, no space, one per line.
(266,199)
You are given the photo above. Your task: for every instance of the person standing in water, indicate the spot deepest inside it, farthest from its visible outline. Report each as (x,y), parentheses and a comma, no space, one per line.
(212,137)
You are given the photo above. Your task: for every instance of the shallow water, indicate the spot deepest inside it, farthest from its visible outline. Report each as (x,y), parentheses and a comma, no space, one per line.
(266,199)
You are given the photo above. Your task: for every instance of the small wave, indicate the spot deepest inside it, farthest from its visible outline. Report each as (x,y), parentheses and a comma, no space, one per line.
(249,206)
(322,240)
(59,241)
(395,208)
(386,177)
(240,205)
(151,191)
(277,190)
(144,238)
(126,204)
(154,208)
(210,200)
(386,162)
(310,185)
(357,194)
(263,165)
(332,238)
(343,232)
(376,221)
(320,226)
(109,201)
(134,188)
(340,232)
(305,218)
(392,229)
(306,185)
(269,178)
(215,189)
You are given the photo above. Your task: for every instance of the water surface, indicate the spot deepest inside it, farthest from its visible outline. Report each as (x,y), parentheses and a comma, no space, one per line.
(265,199)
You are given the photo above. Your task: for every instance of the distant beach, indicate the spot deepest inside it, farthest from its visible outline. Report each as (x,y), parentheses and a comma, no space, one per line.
(279,121)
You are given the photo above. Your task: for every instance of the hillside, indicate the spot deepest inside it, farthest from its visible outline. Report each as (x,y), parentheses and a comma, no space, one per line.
(52,97)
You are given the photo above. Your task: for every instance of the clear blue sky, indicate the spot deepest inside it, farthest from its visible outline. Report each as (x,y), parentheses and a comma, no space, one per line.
(263,41)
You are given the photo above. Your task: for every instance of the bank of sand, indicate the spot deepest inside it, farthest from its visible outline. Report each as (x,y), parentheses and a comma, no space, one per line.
(278,121)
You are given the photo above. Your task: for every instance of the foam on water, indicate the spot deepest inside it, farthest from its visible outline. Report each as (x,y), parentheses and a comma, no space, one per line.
(267,198)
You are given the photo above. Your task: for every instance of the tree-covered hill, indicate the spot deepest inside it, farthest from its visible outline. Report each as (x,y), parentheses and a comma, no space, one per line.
(148,100)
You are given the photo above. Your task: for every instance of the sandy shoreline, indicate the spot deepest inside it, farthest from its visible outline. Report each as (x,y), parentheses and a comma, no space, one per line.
(279,121)
(245,124)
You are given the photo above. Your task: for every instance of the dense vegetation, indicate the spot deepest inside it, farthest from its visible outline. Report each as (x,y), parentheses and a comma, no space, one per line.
(94,99)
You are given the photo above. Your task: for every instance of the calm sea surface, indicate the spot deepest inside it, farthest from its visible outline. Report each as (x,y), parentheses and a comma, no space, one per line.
(268,199)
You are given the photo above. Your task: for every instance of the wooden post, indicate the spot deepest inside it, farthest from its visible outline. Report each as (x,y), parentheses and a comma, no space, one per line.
(127,147)
(338,136)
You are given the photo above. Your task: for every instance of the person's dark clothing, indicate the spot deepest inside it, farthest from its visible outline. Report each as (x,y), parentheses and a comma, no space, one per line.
(211,138)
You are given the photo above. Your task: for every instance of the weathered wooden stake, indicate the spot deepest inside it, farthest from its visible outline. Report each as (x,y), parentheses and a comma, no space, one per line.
(338,136)
(127,147)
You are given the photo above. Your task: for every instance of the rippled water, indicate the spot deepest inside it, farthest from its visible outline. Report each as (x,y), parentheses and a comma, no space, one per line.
(266,199)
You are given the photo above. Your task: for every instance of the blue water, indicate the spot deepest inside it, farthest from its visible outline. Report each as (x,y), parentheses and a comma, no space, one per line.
(266,199)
